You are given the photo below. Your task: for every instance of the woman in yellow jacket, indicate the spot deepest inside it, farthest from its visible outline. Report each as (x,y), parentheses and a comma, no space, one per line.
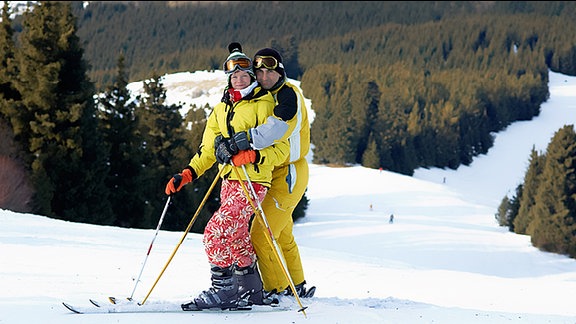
(235,278)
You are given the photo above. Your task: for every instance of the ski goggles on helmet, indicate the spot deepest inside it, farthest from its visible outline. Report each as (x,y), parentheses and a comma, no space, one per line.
(241,63)
(269,62)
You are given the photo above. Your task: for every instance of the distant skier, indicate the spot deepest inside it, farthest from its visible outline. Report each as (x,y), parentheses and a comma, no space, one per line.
(391,219)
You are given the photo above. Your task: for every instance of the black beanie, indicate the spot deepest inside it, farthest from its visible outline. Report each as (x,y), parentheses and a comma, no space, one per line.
(272,52)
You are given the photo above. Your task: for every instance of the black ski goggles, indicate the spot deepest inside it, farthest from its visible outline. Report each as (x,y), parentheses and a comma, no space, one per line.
(269,62)
(242,63)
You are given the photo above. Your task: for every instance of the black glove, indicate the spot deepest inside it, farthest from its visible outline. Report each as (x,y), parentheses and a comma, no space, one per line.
(242,142)
(225,149)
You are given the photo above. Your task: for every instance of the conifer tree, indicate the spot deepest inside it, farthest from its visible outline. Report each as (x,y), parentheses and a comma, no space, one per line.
(530,187)
(7,48)
(555,223)
(502,212)
(162,130)
(371,159)
(514,206)
(6,77)
(16,193)
(59,119)
(9,96)
(120,129)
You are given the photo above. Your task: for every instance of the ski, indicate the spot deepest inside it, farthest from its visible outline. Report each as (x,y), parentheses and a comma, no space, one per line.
(160,307)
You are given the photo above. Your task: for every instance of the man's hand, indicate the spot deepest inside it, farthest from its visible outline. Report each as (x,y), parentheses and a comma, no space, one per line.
(242,141)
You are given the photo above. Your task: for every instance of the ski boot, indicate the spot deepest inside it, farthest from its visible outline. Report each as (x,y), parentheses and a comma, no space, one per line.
(301,290)
(222,295)
(250,287)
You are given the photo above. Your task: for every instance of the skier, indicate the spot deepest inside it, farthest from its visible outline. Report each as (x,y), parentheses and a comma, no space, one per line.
(235,277)
(289,180)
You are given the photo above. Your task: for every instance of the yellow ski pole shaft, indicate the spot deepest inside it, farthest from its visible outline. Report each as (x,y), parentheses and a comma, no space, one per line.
(270,237)
(185,233)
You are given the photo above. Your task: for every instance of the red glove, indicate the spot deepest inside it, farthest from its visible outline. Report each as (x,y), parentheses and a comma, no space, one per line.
(244,157)
(178,181)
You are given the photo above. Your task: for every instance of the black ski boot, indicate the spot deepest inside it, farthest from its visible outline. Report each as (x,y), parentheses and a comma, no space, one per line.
(222,295)
(250,287)
(301,290)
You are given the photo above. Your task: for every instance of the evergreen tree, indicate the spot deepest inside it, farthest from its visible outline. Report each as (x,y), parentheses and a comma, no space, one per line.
(370,159)
(161,128)
(14,175)
(514,207)
(9,96)
(503,210)
(120,129)
(7,48)
(530,187)
(553,229)
(59,120)
(508,209)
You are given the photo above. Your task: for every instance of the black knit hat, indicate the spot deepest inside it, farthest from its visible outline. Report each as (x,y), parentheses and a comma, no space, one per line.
(274,53)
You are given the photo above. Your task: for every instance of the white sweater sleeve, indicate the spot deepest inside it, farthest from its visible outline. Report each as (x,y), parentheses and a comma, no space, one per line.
(264,135)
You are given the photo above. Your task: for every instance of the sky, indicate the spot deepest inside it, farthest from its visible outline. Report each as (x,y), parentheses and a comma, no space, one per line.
(444,259)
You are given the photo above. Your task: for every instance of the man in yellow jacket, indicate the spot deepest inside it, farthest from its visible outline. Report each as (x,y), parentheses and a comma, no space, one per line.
(289,180)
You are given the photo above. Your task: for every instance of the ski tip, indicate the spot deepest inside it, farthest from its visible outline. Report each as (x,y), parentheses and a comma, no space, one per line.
(95,303)
(72,309)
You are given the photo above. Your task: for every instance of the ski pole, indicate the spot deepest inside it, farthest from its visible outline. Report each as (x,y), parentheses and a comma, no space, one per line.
(150,247)
(185,233)
(270,237)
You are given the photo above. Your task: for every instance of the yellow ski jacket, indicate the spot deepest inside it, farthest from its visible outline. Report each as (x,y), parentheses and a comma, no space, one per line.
(227,119)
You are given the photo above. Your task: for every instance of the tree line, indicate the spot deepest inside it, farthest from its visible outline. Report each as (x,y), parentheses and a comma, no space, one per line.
(431,105)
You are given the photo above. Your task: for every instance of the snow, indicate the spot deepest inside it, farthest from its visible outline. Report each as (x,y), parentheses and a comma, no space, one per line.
(444,259)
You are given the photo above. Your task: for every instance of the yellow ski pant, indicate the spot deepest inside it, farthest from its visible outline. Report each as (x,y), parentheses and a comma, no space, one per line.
(288,186)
